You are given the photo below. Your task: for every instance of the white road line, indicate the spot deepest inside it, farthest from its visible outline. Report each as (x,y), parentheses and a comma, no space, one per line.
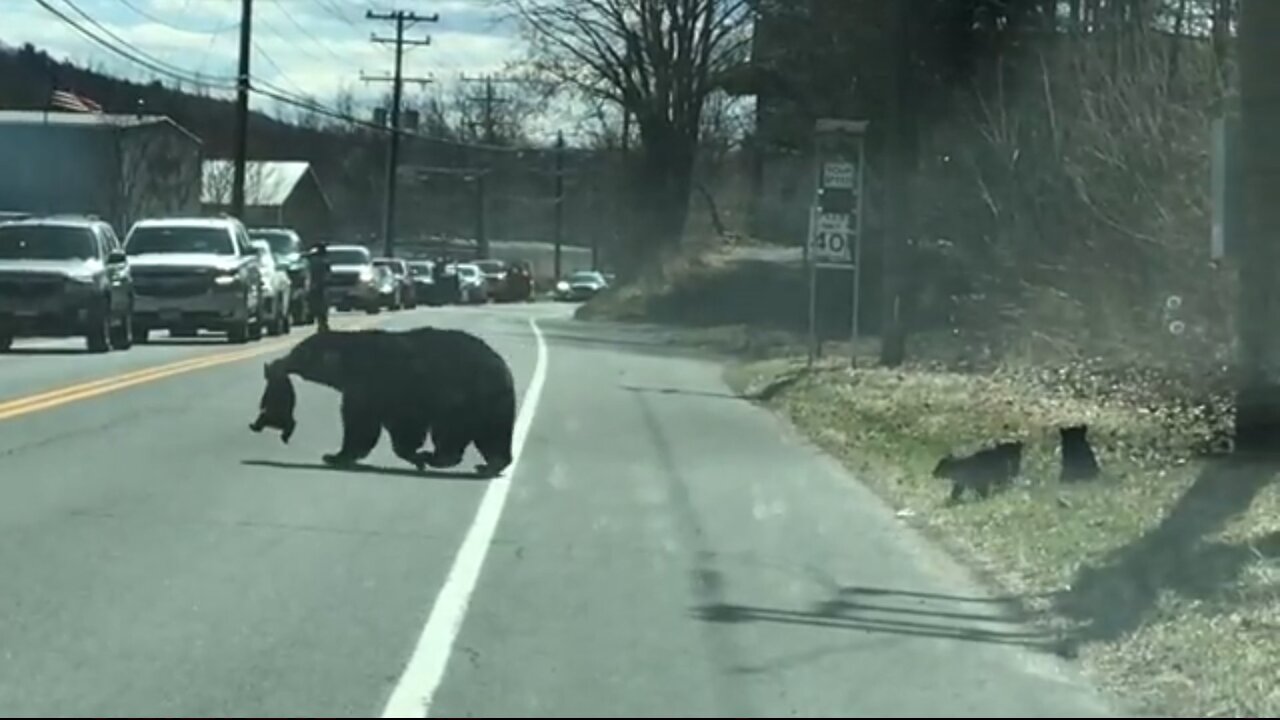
(413,694)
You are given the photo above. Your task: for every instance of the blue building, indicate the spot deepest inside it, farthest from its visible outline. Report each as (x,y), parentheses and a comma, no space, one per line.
(118,167)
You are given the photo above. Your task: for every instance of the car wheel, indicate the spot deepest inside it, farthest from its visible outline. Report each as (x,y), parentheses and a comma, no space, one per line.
(374,308)
(98,337)
(255,329)
(286,324)
(6,342)
(122,334)
(141,334)
(276,325)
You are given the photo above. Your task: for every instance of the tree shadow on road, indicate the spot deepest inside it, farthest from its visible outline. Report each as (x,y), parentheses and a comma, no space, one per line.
(371,470)
(1114,597)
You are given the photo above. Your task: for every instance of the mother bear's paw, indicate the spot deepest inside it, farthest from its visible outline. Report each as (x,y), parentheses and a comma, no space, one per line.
(337,460)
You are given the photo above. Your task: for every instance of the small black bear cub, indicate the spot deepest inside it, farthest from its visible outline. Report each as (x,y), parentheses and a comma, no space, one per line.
(276,405)
(983,471)
(1078,461)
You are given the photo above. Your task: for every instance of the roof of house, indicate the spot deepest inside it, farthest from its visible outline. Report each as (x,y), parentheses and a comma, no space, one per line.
(268,183)
(87,120)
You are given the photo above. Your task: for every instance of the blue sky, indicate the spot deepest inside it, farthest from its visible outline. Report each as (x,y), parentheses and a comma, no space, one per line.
(327,54)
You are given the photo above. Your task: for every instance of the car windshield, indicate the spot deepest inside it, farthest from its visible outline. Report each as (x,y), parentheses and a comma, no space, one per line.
(587,277)
(468,271)
(394,266)
(46,242)
(347,256)
(419,269)
(180,239)
(281,242)
(491,266)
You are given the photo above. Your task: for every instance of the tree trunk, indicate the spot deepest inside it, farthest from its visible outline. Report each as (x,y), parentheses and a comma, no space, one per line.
(1258,398)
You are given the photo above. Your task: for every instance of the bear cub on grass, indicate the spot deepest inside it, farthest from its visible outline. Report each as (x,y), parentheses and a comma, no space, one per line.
(446,384)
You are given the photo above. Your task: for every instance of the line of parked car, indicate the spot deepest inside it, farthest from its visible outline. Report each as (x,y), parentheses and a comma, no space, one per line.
(66,276)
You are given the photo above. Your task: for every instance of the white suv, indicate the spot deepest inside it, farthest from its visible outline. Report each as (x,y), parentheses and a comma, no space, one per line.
(193,274)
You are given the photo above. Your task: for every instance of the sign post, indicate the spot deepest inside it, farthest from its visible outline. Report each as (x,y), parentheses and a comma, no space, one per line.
(835,222)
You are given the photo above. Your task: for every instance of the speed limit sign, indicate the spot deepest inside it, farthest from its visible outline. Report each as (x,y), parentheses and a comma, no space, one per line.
(829,241)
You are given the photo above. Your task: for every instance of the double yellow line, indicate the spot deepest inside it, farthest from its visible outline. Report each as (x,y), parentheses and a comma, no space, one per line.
(83,391)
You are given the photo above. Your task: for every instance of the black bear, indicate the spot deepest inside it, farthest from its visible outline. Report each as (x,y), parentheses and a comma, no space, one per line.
(982,471)
(448,384)
(1078,461)
(276,406)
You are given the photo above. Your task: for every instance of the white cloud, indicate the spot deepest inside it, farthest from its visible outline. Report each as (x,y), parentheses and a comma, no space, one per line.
(319,59)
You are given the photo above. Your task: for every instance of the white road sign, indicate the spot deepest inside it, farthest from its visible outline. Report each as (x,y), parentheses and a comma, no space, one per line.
(831,239)
(839,175)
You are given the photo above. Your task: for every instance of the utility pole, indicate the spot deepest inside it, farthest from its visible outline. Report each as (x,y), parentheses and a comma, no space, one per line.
(559,199)
(1258,397)
(242,111)
(900,146)
(488,101)
(403,20)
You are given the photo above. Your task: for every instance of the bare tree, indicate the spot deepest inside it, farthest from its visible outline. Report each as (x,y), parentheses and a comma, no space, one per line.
(658,59)
(158,172)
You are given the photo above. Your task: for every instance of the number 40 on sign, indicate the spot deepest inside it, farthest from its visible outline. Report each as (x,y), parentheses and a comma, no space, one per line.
(830,239)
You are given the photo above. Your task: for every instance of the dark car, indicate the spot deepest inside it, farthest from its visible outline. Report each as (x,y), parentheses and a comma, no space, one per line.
(62,277)
(422,274)
(495,274)
(581,285)
(287,249)
(519,286)
(400,270)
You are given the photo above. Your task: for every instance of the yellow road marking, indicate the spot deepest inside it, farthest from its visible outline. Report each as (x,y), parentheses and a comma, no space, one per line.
(94,388)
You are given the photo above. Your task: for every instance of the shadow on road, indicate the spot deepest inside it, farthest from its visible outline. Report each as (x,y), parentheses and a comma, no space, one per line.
(681,391)
(927,615)
(47,351)
(1114,597)
(371,470)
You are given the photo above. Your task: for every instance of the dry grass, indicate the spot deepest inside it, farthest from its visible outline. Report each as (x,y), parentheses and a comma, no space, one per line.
(1163,575)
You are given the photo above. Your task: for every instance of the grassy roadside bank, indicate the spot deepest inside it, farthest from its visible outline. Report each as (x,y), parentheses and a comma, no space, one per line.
(1163,576)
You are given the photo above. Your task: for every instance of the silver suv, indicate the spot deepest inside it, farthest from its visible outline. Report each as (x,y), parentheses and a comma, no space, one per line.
(193,274)
(64,276)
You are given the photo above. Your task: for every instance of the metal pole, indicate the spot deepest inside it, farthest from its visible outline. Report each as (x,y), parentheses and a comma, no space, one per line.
(393,143)
(482,239)
(857,253)
(242,111)
(559,200)
(812,264)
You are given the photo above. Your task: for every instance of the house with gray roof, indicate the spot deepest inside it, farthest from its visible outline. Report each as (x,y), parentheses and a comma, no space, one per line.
(277,193)
(118,167)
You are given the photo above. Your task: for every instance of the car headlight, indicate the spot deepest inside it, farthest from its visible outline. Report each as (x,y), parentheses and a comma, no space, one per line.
(225,279)
(366,274)
(82,278)
(562,286)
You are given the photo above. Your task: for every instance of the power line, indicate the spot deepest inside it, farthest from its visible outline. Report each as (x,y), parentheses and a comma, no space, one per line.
(300,28)
(199,81)
(109,32)
(161,21)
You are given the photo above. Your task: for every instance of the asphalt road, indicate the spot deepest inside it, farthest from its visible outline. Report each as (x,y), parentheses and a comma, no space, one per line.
(660,548)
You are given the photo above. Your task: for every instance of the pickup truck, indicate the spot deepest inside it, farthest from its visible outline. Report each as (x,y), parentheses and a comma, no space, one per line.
(193,274)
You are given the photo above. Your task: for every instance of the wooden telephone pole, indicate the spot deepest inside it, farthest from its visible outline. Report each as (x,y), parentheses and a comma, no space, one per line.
(1258,395)
(403,20)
